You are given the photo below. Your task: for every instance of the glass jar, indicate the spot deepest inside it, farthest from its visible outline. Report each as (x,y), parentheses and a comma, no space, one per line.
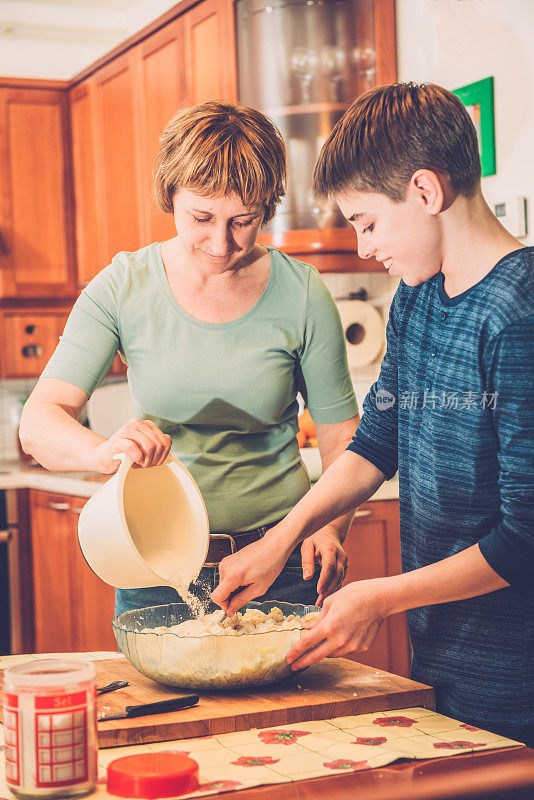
(50,728)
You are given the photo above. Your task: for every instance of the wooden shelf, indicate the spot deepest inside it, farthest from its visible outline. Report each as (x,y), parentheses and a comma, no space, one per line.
(328,249)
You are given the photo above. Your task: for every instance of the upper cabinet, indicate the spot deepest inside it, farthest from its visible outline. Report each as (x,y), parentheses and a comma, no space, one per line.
(119,153)
(36,224)
(209,45)
(89,216)
(118,114)
(162,90)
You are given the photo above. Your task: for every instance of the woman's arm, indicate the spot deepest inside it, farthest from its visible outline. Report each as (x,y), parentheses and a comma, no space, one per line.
(51,433)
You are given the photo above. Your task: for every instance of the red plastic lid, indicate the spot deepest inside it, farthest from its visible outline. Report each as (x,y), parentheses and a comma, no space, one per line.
(150,775)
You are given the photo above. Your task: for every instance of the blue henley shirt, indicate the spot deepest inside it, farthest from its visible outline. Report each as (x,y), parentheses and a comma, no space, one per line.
(453,410)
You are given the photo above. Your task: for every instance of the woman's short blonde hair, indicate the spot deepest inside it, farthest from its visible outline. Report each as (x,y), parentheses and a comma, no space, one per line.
(218,148)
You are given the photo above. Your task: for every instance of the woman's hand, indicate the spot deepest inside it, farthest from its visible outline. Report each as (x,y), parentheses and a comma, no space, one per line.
(348,623)
(140,439)
(326,548)
(249,573)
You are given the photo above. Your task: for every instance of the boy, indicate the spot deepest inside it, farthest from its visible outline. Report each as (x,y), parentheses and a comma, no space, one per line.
(452,410)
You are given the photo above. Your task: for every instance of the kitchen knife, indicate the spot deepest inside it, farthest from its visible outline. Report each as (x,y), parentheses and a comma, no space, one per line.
(111,687)
(187,701)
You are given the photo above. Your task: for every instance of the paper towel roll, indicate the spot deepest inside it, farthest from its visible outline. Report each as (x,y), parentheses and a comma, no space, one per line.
(364,332)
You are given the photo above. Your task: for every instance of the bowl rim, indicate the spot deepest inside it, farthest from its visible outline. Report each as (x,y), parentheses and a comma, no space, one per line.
(307,609)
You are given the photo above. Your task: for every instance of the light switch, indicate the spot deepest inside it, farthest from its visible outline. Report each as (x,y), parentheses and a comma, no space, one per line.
(512,213)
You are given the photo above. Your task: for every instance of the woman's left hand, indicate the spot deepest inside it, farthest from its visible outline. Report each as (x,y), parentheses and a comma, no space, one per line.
(348,623)
(326,548)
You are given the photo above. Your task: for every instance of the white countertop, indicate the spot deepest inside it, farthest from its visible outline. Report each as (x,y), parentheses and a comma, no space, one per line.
(15,475)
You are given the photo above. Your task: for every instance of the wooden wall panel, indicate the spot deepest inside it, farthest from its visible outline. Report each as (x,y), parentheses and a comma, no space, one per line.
(36,248)
(118,144)
(162,93)
(89,218)
(204,39)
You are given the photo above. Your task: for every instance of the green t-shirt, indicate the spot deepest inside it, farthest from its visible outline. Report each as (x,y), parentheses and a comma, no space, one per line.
(225,392)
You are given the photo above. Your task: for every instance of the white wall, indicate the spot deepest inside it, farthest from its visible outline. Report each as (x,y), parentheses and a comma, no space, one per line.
(456,42)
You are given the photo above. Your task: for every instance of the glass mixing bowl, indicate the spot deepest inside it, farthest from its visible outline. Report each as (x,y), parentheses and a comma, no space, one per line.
(206,662)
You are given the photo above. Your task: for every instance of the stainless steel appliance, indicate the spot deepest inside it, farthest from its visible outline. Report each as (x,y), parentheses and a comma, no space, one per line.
(15,584)
(302,62)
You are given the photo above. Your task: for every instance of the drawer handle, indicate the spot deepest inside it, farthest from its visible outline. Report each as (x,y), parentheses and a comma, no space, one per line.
(32,351)
(59,506)
(5,536)
(365,512)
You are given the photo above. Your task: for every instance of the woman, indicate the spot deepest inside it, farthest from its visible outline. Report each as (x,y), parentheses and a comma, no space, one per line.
(219,335)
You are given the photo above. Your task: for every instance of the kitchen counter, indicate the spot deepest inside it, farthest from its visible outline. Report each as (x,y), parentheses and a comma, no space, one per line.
(15,475)
(491,775)
(496,775)
(19,476)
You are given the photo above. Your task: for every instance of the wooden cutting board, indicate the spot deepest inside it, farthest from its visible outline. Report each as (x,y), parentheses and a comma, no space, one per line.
(332,688)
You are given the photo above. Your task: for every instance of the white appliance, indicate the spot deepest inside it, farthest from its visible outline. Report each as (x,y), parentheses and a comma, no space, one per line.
(109,408)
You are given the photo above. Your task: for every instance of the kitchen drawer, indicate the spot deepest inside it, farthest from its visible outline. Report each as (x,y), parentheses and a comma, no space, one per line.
(28,340)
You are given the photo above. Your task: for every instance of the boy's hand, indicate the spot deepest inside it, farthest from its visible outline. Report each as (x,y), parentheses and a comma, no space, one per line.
(348,623)
(324,546)
(249,573)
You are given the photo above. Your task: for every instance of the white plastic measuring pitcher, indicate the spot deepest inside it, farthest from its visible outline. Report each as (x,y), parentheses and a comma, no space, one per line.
(146,527)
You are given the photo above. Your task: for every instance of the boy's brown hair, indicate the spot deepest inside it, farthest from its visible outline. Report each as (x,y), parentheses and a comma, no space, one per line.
(217,148)
(391,131)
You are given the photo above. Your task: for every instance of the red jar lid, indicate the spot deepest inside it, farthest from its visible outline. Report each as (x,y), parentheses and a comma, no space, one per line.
(150,775)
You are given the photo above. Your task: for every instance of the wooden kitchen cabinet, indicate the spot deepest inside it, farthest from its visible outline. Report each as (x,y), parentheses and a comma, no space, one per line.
(118,114)
(373,549)
(87,189)
(36,223)
(119,156)
(161,72)
(28,339)
(73,608)
(210,63)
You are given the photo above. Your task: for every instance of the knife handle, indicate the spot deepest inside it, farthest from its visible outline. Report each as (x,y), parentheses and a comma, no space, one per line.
(187,701)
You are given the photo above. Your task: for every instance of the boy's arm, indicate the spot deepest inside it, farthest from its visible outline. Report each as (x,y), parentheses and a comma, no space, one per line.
(504,557)
(351,618)
(351,480)
(347,483)
(509,367)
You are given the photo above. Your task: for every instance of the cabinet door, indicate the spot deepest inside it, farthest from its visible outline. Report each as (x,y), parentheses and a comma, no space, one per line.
(373,549)
(36,242)
(52,550)
(95,600)
(118,149)
(73,608)
(89,219)
(28,340)
(210,51)
(162,92)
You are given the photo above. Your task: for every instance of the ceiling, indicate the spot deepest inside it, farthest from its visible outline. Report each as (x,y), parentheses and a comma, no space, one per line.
(55,39)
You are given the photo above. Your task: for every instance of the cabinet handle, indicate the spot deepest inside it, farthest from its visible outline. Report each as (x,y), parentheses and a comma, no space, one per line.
(59,506)
(365,512)
(32,351)
(5,536)
(76,510)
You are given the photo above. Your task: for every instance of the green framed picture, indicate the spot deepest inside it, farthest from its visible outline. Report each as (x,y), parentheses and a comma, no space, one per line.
(478,99)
